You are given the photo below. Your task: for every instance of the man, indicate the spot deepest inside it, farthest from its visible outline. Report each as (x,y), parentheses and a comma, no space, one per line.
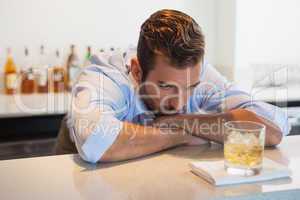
(168,96)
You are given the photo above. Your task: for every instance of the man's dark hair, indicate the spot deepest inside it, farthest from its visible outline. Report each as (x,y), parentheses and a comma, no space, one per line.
(171,34)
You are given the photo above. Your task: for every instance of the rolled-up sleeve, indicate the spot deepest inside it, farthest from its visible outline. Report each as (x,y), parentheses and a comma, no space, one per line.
(94,117)
(217,94)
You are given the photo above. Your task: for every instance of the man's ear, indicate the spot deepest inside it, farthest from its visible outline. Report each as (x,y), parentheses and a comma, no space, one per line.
(136,70)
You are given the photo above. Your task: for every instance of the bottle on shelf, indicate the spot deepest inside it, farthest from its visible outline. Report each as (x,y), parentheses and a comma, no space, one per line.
(128,55)
(10,74)
(42,72)
(27,75)
(88,56)
(72,66)
(112,51)
(58,77)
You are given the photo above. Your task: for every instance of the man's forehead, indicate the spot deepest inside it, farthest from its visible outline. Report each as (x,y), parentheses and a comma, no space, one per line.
(163,69)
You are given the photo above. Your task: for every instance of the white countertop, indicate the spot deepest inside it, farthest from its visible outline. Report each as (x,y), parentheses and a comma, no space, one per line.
(21,105)
(164,175)
(277,94)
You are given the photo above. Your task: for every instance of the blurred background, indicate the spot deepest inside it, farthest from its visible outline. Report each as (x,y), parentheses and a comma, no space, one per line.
(44,43)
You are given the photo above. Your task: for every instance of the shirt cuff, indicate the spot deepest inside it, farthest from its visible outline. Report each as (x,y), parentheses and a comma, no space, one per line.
(102,137)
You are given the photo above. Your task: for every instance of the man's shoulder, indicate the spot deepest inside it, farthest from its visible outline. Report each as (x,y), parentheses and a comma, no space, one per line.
(112,80)
(211,75)
(108,72)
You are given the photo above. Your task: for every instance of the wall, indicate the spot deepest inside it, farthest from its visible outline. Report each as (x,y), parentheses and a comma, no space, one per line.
(225,37)
(267,35)
(58,23)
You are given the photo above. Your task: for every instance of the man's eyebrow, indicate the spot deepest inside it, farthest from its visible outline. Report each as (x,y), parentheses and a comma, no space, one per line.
(174,85)
(165,83)
(194,85)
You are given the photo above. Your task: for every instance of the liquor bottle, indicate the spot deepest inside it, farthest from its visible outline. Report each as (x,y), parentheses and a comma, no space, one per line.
(112,51)
(87,57)
(103,54)
(42,72)
(58,77)
(10,74)
(73,66)
(27,75)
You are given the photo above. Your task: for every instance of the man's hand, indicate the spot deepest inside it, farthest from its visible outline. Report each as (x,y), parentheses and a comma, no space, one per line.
(273,133)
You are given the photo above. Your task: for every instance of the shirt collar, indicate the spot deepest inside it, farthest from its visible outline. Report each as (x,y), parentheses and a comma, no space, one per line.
(140,107)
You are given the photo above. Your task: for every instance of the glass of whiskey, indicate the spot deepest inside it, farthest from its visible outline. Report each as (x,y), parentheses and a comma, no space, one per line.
(244,147)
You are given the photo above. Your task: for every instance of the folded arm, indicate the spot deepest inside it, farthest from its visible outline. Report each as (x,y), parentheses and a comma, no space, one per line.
(98,133)
(211,126)
(104,138)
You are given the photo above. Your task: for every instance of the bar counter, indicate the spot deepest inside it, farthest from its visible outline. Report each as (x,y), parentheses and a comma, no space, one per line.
(164,175)
(22,105)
